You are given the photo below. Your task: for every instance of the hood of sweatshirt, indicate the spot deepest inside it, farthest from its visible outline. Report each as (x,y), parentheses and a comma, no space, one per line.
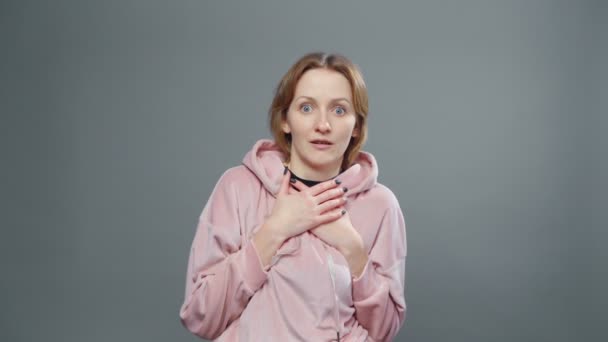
(265,160)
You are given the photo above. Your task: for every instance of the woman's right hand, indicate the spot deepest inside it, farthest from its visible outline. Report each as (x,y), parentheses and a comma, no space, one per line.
(296,212)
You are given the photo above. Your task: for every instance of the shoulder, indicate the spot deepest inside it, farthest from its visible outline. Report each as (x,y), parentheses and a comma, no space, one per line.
(230,187)
(237,175)
(382,197)
(238,178)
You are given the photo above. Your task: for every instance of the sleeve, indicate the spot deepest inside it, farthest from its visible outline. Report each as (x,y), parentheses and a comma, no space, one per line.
(378,292)
(223,273)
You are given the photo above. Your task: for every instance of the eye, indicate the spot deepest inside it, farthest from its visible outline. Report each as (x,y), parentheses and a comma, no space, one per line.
(306,108)
(340,110)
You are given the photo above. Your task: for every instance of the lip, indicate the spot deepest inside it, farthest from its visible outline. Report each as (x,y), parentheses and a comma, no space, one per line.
(321,146)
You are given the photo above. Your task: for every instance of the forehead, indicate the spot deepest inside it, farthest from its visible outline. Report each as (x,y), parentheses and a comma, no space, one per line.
(323,84)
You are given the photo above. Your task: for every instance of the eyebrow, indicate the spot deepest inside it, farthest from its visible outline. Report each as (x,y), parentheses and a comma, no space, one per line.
(332,100)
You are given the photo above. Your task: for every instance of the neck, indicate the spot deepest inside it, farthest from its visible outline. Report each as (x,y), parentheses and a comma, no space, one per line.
(313,174)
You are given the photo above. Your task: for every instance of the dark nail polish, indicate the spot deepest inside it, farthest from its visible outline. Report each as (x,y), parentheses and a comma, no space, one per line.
(338,181)
(343,211)
(285,171)
(292,180)
(345,189)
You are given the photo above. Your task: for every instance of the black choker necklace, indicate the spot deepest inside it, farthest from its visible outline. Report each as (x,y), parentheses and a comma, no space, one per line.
(308,182)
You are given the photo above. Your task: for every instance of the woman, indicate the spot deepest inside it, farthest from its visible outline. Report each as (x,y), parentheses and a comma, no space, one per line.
(300,242)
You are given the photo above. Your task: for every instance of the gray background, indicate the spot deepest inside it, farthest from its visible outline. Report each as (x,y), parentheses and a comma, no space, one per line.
(488,121)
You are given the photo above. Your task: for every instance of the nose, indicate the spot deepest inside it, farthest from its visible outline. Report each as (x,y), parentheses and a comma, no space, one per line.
(323,125)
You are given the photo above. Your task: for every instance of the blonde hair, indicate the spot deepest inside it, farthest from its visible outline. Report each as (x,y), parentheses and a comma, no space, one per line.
(285,90)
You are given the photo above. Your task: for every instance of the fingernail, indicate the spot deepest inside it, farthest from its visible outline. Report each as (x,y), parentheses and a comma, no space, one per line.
(343,211)
(285,171)
(338,181)
(292,180)
(345,189)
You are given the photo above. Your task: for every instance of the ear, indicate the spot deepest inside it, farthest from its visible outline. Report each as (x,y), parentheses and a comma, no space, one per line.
(355,133)
(285,127)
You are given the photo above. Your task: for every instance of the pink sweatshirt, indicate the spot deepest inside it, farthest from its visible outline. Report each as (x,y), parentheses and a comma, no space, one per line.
(307,293)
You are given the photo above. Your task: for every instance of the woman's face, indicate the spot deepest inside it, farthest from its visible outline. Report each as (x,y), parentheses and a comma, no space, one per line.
(321,120)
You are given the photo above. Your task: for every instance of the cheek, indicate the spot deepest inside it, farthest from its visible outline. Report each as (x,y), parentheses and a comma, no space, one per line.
(299,126)
(290,124)
(347,131)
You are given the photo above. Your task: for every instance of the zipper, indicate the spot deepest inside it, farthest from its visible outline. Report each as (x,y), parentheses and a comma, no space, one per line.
(330,266)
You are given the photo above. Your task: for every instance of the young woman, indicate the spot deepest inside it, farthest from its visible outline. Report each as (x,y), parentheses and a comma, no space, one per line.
(300,242)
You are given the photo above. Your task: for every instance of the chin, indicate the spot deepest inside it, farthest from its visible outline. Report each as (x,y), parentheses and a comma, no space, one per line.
(322,163)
